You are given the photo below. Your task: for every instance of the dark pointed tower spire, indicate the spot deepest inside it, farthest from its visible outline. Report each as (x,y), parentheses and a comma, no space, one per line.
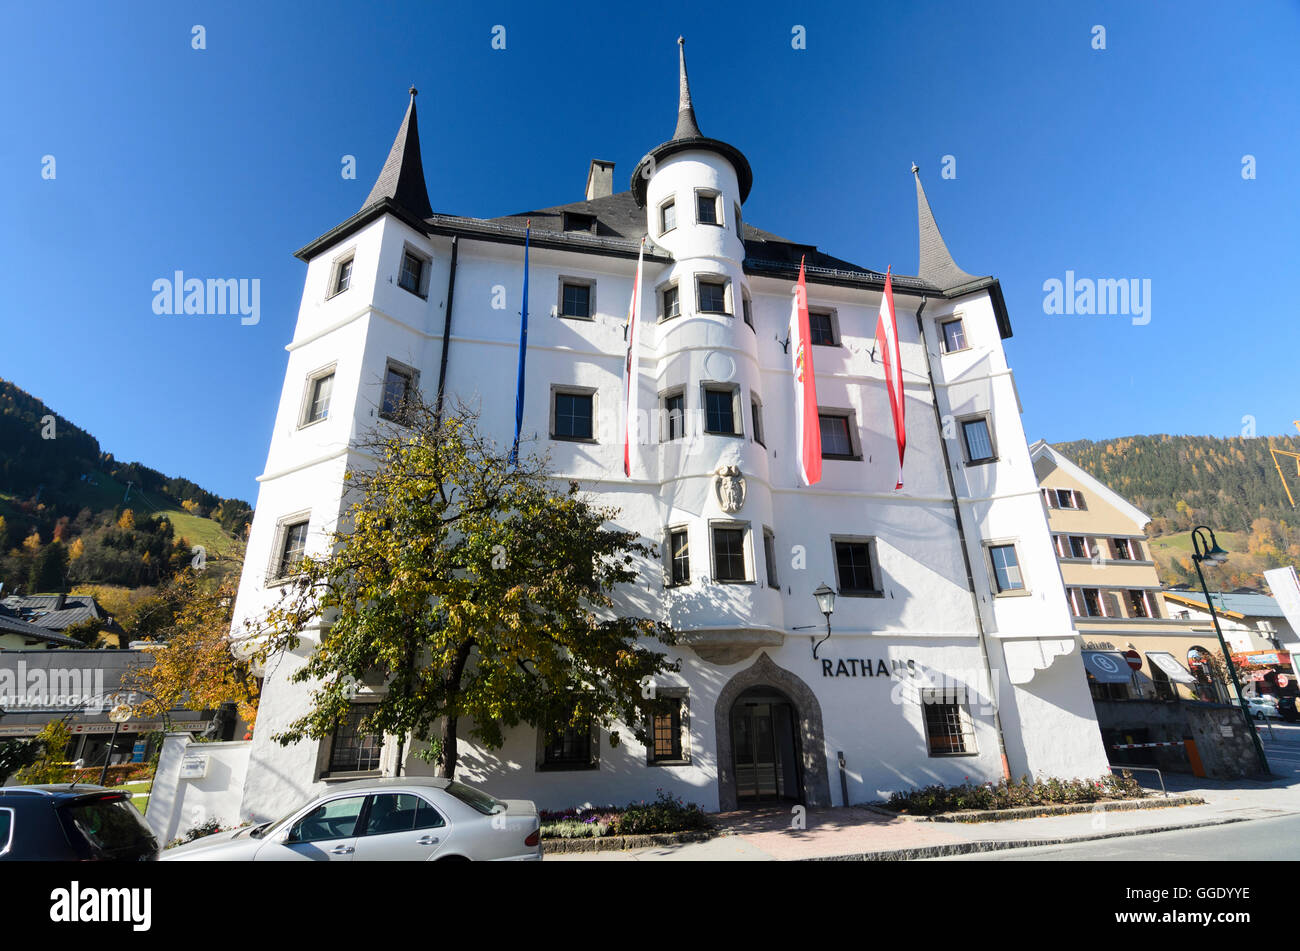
(687,127)
(402,178)
(687,137)
(937,265)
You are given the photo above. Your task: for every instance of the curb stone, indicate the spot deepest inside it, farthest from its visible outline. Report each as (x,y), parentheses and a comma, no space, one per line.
(1002,845)
(1038,812)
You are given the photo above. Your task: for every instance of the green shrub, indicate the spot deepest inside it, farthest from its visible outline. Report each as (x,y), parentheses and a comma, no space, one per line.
(1011,795)
(666,813)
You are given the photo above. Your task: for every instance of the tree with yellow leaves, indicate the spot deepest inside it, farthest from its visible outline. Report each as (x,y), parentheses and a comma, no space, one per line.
(77,549)
(127,521)
(193,667)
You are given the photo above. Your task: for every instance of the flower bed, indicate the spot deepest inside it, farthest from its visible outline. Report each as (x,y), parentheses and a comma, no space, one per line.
(1014,795)
(666,813)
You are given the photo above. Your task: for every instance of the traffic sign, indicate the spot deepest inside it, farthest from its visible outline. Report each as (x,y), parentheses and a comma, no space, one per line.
(1134,659)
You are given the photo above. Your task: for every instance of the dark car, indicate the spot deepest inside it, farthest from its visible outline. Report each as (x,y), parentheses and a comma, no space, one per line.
(72,822)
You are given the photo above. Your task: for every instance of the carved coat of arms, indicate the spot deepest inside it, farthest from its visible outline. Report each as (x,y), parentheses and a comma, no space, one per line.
(729,485)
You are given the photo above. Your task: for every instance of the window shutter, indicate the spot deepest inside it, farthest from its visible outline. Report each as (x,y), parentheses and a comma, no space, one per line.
(1110,604)
(1049,498)
(1078,499)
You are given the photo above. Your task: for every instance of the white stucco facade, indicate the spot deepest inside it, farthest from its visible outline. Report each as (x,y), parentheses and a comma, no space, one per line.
(926,621)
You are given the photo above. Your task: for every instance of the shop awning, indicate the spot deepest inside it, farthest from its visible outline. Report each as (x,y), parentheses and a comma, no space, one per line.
(1172,669)
(1107,667)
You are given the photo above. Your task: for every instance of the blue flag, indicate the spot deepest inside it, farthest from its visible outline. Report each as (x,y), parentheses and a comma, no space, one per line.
(523,353)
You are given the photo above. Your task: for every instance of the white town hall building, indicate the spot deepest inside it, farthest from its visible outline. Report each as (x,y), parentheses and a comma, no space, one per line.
(951,653)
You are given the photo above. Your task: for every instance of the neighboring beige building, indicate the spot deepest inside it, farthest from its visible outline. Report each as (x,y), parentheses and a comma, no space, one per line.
(1115,593)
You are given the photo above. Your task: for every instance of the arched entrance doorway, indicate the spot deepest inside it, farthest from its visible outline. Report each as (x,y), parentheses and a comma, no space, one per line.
(765,748)
(770,741)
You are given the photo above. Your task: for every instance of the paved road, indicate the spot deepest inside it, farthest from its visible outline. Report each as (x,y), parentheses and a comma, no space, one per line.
(1273,839)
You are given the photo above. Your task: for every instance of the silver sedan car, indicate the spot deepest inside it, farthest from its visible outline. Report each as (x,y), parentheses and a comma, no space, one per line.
(405,819)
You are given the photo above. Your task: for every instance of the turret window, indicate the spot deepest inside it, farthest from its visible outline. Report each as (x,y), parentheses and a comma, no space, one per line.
(672,302)
(667,216)
(711,297)
(708,207)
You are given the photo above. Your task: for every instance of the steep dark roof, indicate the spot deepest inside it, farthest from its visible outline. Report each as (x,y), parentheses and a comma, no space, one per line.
(936,264)
(10,623)
(402,177)
(39,610)
(687,136)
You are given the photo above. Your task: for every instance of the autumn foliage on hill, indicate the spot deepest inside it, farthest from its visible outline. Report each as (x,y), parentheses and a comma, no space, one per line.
(1230,484)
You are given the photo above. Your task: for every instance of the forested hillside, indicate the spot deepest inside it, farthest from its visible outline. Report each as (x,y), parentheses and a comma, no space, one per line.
(73,515)
(1229,484)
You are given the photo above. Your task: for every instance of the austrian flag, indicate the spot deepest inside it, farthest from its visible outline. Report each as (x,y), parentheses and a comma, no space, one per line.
(630,368)
(887,340)
(807,428)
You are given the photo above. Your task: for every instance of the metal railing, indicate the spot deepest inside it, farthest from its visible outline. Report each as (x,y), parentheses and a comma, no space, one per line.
(1148,769)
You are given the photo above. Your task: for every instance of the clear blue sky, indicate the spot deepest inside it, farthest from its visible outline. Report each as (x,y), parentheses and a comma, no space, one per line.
(1117,163)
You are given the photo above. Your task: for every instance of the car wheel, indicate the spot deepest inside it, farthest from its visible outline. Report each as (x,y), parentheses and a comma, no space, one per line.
(1259,716)
(453,858)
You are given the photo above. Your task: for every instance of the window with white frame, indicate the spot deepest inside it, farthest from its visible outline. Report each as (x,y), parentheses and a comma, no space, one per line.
(413,273)
(953,335)
(711,295)
(668,729)
(1125,549)
(577,298)
(671,302)
(855,566)
(730,552)
(399,392)
(1139,603)
(721,417)
(316,400)
(672,406)
(667,216)
(769,557)
(679,555)
(1006,568)
(978,440)
(708,207)
(822,329)
(747,308)
(290,546)
(756,420)
(573,413)
(837,428)
(342,279)
(353,748)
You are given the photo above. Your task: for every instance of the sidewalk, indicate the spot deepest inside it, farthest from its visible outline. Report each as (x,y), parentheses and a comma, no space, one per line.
(858,833)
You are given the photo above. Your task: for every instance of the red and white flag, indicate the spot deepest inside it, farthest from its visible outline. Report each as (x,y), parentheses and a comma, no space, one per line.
(887,340)
(806,426)
(630,369)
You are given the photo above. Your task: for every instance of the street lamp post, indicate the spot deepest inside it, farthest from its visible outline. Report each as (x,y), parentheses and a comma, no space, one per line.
(826,604)
(120,713)
(1209,552)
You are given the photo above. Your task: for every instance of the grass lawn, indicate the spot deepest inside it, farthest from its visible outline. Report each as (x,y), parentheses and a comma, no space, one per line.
(140,802)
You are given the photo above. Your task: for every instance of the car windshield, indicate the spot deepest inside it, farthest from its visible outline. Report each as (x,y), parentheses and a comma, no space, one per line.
(265,828)
(476,799)
(110,825)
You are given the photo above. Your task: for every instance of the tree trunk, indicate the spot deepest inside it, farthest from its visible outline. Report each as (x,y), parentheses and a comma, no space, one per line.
(451,724)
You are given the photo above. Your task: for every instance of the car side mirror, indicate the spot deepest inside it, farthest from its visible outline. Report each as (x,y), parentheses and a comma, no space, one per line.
(289,836)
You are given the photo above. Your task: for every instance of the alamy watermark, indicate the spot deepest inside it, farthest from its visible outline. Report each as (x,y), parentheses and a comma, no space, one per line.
(213,297)
(1102,297)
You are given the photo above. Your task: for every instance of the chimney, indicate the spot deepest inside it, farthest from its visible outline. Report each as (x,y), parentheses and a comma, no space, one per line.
(600,179)
(60,601)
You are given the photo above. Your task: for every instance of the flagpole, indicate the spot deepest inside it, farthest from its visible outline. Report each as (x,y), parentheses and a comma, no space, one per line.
(523,353)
